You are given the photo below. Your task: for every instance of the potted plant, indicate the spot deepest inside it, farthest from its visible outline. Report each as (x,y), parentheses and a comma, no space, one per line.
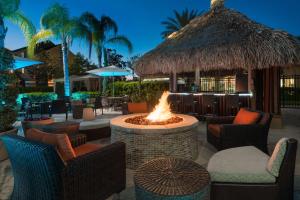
(8,95)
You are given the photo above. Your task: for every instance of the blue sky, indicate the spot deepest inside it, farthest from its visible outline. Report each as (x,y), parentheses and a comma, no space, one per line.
(140,20)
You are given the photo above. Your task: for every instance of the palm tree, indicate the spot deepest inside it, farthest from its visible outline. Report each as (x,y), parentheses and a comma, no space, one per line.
(100,32)
(179,21)
(9,10)
(57,23)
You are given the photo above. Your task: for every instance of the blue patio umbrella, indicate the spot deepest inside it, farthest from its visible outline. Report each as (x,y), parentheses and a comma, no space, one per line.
(110,71)
(24,62)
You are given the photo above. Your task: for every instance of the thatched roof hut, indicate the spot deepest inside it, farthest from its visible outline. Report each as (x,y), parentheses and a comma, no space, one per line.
(221,39)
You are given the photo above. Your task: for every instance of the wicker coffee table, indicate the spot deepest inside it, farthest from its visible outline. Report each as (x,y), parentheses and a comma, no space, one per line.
(171,179)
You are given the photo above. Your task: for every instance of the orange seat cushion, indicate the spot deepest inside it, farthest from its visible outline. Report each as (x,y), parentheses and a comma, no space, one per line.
(60,141)
(214,129)
(245,117)
(138,107)
(86,148)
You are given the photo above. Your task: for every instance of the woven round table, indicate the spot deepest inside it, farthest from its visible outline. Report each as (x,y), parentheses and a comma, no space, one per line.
(171,179)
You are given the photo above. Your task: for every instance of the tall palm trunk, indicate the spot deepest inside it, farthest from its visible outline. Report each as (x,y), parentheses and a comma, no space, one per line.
(64,47)
(105,64)
(3,31)
(99,57)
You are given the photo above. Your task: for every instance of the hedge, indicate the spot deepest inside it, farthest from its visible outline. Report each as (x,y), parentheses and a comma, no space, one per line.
(84,95)
(35,89)
(137,92)
(37,97)
(149,91)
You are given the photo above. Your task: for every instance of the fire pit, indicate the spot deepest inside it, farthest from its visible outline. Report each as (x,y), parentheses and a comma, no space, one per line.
(164,135)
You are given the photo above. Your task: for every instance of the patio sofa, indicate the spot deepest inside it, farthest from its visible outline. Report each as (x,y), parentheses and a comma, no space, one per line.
(40,173)
(246,128)
(247,173)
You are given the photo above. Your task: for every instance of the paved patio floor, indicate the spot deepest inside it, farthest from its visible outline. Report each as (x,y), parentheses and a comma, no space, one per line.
(291,120)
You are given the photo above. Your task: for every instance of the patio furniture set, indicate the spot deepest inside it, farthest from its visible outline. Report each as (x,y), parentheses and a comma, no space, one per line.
(242,169)
(77,107)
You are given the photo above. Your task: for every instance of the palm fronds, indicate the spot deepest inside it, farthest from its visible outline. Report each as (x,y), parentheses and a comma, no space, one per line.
(179,21)
(122,40)
(24,23)
(7,7)
(41,35)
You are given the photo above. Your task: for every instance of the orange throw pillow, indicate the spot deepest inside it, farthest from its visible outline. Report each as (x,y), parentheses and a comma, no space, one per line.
(60,141)
(245,117)
(137,107)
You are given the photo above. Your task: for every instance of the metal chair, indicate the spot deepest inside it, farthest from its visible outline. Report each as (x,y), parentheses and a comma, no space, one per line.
(98,105)
(59,107)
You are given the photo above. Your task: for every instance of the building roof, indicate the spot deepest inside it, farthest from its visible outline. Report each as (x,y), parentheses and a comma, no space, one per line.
(221,39)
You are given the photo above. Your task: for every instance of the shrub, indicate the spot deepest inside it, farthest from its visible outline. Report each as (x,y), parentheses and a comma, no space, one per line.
(8,91)
(84,95)
(35,89)
(36,97)
(149,91)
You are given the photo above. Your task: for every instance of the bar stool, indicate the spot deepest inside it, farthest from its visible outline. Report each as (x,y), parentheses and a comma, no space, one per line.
(232,104)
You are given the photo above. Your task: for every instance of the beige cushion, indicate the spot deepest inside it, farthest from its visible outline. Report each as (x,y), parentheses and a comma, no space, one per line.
(240,165)
(277,157)
(87,125)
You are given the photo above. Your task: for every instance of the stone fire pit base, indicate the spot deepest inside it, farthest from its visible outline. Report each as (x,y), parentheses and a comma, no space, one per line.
(144,143)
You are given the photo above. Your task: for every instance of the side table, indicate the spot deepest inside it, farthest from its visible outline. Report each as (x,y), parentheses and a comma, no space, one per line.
(171,179)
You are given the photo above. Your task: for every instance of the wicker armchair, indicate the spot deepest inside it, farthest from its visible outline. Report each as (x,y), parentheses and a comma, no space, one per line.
(223,134)
(40,174)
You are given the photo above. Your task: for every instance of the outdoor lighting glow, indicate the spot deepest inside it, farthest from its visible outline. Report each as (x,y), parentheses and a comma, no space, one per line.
(162,110)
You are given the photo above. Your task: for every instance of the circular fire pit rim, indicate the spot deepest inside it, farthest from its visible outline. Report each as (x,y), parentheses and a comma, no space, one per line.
(188,122)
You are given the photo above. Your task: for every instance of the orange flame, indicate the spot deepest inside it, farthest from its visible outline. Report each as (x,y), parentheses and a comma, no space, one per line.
(162,110)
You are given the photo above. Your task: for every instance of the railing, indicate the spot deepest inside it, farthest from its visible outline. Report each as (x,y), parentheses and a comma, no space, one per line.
(290,91)
(221,85)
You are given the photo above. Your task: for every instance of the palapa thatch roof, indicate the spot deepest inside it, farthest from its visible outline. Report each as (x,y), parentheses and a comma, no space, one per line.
(221,39)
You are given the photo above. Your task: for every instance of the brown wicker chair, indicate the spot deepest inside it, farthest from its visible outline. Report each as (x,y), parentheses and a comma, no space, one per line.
(282,189)
(223,134)
(40,174)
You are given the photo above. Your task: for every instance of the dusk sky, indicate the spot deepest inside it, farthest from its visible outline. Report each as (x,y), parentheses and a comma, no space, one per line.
(140,20)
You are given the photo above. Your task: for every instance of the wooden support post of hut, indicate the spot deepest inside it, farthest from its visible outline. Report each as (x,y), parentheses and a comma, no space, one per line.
(174,81)
(197,77)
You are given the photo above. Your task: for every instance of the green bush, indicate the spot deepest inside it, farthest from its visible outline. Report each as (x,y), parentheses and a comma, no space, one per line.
(139,92)
(37,97)
(84,95)
(8,91)
(35,89)
(8,116)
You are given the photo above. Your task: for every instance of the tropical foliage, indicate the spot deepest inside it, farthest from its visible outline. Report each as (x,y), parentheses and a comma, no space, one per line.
(9,10)
(57,23)
(149,91)
(99,33)
(173,24)
(7,91)
(80,65)
(36,97)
